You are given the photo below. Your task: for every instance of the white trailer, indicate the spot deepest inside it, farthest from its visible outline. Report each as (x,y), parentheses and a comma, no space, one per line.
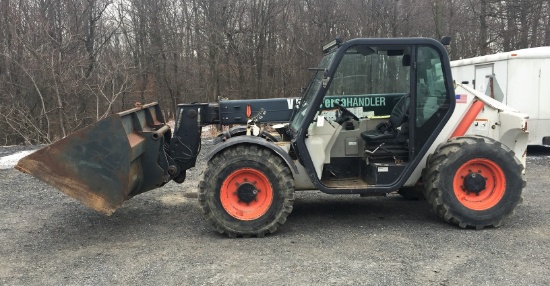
(519,79)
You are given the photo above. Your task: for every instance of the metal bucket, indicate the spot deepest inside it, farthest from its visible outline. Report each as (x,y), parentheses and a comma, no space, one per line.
(108,162)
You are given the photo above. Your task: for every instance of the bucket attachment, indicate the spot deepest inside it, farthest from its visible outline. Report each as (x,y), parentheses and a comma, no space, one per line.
(108,162)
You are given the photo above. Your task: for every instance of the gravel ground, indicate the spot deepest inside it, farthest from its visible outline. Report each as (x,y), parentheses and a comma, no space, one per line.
(161,238)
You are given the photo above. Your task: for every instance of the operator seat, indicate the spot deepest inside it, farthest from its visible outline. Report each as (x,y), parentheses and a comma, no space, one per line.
(393,131)
(390,139)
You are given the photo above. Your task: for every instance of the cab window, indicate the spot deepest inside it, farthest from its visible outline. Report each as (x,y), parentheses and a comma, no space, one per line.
(431,91)
(370,79)
(432,100)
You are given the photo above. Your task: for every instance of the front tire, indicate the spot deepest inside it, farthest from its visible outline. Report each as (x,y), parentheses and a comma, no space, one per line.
(473,182)
(246,190)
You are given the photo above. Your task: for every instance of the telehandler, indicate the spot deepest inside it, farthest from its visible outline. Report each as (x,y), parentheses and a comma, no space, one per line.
(378,116)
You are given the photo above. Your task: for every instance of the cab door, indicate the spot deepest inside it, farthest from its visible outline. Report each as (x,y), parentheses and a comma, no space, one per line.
(432,101)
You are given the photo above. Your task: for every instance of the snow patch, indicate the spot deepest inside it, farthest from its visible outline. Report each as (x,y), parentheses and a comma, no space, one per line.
(8,162)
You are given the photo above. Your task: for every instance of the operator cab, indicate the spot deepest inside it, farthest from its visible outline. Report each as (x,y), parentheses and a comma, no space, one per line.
(371,109)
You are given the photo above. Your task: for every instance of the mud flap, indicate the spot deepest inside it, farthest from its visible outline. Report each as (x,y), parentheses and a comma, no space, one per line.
(108,162)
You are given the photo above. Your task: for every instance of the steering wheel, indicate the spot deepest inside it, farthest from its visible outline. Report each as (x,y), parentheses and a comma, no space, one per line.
(345,114)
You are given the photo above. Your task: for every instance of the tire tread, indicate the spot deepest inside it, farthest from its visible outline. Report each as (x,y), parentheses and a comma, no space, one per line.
(433,190)
(225,157)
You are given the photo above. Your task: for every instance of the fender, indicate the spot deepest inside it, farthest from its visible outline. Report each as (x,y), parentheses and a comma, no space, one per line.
(256,141)
(240,130)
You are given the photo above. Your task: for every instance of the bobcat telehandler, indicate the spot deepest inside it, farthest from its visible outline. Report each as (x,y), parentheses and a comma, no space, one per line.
(378,116)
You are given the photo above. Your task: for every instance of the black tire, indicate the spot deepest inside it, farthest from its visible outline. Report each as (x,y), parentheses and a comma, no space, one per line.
(225,191)
(482,172)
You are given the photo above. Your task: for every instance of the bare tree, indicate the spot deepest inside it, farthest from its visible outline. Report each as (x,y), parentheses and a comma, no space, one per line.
(65,64)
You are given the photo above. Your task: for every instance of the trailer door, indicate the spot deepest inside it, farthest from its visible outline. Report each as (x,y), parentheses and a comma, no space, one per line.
(544,93)
(483,75)
(542,131)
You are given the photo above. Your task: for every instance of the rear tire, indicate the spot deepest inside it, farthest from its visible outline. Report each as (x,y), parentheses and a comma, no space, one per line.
(246,190)
(473,182)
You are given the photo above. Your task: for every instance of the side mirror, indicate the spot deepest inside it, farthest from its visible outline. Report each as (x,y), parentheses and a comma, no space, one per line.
(445,40)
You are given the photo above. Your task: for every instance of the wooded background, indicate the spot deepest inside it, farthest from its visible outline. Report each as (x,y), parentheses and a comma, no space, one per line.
(65,64)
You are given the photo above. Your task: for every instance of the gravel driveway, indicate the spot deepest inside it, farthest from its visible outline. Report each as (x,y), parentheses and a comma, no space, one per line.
(161,238)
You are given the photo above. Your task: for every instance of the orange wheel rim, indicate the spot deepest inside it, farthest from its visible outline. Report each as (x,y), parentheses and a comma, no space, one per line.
(479,184)
(246,194)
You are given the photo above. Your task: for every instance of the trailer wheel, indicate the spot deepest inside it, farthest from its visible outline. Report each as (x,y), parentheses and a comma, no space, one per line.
(473,182)
(411,193)
(246,191)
